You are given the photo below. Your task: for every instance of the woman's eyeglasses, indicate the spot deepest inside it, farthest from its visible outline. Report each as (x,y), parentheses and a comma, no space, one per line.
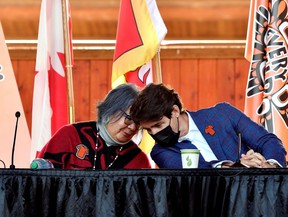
(128,120)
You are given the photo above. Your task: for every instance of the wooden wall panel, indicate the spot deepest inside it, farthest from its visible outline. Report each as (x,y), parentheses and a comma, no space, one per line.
(225,81)
(81,83)
(99,84)
(207,83)
(188,88)
(241,75)
(200,82)
(170,73)
(97,19)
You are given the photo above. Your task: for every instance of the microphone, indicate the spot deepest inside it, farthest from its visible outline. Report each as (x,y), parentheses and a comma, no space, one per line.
(17,115)
(238,163)
(239,146)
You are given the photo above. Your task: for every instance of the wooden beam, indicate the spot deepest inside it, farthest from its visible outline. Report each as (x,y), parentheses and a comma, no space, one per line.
(185,19)
(170,49)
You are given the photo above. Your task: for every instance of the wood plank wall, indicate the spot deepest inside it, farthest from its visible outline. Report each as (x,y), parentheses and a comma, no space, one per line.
(202,75)
(97,19)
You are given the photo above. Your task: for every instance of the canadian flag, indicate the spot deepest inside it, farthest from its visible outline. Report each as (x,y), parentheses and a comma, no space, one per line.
(50,101)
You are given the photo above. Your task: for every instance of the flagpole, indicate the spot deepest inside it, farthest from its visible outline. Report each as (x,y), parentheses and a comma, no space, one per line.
(157,76)
(67,49)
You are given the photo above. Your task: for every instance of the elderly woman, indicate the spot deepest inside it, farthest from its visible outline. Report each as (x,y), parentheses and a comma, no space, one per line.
(104,144)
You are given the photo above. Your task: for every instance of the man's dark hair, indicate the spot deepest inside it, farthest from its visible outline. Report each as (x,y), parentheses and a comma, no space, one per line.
(154,102)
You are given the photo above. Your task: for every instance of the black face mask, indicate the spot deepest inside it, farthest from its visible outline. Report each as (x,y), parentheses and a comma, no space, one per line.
(166,137)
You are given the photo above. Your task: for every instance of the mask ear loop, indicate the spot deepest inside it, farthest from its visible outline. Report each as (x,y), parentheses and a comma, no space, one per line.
(178,124)
(170,121)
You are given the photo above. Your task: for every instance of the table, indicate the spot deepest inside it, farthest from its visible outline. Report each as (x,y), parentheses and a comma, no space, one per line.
(149,192)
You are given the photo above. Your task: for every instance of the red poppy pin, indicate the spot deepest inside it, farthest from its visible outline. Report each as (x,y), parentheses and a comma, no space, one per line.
(209,130)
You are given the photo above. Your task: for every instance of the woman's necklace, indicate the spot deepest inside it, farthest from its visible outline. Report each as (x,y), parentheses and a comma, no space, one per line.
(96,152)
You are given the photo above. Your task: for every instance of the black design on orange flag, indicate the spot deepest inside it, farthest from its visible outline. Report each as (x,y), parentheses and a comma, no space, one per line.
(267,88)
(130,39)
(271,67)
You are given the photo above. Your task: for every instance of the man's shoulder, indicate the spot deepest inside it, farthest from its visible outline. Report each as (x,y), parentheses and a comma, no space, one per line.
(219,106)
(219,109)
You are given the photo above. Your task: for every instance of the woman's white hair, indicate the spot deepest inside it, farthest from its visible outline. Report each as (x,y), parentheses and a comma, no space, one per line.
(116,101)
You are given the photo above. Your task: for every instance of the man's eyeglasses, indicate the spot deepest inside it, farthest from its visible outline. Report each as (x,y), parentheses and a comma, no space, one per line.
(128,120)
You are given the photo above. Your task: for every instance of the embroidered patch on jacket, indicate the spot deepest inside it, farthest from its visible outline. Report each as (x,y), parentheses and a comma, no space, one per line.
(82,151)
(209,130)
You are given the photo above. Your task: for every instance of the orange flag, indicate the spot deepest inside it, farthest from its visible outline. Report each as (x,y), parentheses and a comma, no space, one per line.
(10,104)
(267,50)
(50,100)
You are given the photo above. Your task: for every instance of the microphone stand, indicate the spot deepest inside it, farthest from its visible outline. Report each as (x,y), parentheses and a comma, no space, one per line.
(17,115)
(238,162)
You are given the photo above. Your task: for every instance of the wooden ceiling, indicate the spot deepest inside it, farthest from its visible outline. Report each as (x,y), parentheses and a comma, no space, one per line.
(97,19)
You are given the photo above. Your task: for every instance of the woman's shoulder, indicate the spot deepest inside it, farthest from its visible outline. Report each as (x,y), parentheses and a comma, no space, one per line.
(85,123)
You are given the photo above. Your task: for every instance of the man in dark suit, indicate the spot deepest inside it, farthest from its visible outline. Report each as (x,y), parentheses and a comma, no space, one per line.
(214,131)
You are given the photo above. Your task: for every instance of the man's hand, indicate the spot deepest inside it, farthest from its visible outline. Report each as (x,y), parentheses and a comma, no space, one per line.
(254,159)
(251,159)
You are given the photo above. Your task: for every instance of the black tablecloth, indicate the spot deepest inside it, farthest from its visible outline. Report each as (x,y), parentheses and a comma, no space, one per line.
(154,192)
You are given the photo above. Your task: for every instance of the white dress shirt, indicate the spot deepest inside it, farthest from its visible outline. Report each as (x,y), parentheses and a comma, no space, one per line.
(195,137)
